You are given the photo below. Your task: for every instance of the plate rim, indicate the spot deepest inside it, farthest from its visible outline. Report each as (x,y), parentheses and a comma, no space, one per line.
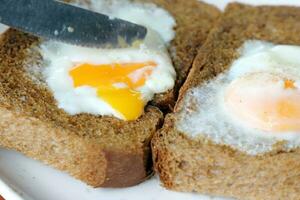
(7,192)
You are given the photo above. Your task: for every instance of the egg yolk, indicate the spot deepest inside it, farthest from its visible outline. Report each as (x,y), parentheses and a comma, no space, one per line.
(116,84)
(269,102)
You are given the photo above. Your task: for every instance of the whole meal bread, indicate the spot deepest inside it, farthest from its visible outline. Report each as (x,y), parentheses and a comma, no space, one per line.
(101,151)
(199,164)
(194,21)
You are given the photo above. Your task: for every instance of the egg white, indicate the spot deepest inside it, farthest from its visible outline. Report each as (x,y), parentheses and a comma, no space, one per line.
(211,119)
(60,58)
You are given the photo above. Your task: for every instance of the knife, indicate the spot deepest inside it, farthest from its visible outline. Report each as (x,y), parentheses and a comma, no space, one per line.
(59,21)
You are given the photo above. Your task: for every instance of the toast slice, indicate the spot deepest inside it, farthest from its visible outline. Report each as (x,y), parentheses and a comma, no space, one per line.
(101,151)
(194,21)
(186,163)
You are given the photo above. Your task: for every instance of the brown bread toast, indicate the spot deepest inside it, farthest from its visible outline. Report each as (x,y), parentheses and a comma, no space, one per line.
(101,151)
(194,21)
(199,164)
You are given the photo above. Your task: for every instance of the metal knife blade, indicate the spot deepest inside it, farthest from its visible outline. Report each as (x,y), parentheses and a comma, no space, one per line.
(59,21)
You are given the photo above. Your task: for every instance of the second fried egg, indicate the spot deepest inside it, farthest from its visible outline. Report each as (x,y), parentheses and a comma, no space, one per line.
(254,104)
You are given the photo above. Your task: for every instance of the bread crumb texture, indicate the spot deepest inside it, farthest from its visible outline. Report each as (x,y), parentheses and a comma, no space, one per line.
(194,20)
(199,165)
(84,145)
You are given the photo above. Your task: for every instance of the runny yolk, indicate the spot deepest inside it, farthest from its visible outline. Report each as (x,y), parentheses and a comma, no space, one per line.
(261,101)
(116,84)
(289,84)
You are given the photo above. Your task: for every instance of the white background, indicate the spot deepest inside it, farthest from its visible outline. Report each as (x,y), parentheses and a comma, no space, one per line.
(33,181)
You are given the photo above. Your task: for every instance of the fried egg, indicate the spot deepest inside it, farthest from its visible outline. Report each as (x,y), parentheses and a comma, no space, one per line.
(253,105)
(268,102)
(113,82)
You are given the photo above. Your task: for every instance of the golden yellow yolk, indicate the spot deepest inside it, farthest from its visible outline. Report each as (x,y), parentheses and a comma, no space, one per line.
(289,84)
(116,84)
(263,101)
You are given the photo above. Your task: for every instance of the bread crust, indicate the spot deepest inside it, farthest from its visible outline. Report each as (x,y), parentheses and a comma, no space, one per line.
(82,157)
(88,147)
(101,151)
(200,165)
(194,20)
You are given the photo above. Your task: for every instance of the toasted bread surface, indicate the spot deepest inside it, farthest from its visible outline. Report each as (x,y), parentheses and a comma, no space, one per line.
(198,164)
(101,151)
(194,21)
(86,146)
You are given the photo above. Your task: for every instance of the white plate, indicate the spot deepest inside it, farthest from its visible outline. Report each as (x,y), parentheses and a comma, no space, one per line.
(25,179)
(35,181)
